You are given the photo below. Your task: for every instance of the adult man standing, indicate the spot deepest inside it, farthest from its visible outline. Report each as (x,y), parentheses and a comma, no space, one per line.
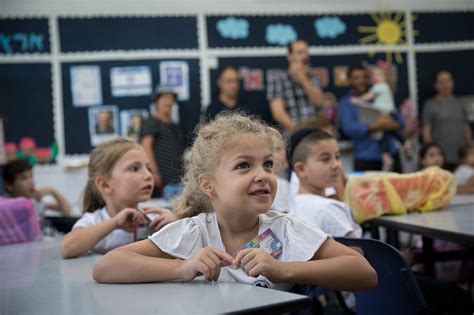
(163,140)
(445,119)
(228,99)
(294,95)
(367,150)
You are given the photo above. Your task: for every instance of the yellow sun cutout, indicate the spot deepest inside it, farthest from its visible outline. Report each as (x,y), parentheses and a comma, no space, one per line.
(389,30)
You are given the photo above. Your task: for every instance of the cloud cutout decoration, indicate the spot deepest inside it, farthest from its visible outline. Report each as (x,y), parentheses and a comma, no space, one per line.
(329,27)
(233,28)
(280,34)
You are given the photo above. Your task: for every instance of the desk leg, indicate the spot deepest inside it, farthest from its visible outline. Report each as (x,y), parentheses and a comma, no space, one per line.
(428,256)
(392,238)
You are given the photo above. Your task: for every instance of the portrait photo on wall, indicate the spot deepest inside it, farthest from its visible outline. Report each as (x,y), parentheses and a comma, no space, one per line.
(103,123)
(131,122)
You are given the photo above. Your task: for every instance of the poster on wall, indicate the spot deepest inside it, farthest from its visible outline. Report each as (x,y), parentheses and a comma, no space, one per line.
(175,74)
(86,86)
(131,122)
(103,124)
(130,81)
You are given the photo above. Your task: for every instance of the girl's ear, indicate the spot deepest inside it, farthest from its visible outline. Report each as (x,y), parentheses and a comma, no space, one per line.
(102,185)
(205,185)
(298,167)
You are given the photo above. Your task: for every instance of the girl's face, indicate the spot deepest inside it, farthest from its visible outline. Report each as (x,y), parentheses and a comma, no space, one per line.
(470,157)
(130,181)
(433,157)
(322,167)
(244,182)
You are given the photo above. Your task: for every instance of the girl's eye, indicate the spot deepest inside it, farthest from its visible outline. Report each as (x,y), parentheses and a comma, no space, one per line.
(268,164)
(242,166)
(134,168)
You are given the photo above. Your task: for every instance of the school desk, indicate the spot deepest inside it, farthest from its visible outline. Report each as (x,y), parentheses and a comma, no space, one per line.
(34,279)
(453,223)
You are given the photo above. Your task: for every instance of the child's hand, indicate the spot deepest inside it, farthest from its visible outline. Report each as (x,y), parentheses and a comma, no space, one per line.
(40,193)
(256,261)
(356,100)
(207,262)
(127,218)
(162,217)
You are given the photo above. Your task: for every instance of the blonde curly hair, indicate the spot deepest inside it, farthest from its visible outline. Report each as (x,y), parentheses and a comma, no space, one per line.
(211,140)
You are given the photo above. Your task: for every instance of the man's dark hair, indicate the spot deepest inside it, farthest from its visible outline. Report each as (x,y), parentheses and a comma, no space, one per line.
(227,67)
(356,67)
(290,45)
(14,168)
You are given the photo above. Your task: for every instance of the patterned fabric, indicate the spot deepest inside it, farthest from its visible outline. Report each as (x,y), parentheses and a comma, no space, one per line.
(168,148)
(297,104)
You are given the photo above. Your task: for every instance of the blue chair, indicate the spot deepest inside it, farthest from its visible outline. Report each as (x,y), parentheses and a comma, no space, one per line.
(397,291)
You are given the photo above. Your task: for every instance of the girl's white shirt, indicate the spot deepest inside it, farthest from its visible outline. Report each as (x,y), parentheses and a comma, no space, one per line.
(184,238)
(116,238)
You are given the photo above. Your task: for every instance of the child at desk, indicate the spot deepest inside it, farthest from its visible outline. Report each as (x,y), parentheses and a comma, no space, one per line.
(464,173)
(229,187)
(19,182)
(315,159)
(119,178)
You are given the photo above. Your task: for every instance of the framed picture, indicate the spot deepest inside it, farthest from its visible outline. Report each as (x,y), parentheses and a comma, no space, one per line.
(131,122)
(103,123)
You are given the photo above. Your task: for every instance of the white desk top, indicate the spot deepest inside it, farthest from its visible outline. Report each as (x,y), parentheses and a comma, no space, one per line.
(34,279)
(454,223)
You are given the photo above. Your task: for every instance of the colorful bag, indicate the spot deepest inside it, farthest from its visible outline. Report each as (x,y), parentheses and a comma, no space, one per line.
(18,220)
(377,193)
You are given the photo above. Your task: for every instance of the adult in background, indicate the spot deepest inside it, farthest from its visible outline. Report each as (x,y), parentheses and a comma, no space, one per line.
(228,98)
(367,150)
(295,94)
(163,140)
(445,119)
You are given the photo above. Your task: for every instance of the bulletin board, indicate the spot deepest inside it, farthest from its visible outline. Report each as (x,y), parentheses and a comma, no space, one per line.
(127,33)
(21,36)
(76,119)
(459,63)
(27,104)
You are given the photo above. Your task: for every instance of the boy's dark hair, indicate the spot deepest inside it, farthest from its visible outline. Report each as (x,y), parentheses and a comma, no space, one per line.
(463,152)
(14,168)
(301,143)
(355,67)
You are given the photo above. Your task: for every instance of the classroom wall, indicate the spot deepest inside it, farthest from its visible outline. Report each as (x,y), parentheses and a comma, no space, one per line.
(54,37)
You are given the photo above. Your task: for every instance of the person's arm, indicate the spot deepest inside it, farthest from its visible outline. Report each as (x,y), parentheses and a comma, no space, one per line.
(299,74)
(315,95)
(467,188)
(367,97)
(144,262)
(334,266)
(277,108)
(81,239)
(468,133)
(60,204)
(427,134)
(147,143)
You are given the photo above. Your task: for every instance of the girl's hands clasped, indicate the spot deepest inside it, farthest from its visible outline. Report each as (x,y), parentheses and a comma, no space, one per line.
(128,218)
(256,262)
(207,262)
(161,217)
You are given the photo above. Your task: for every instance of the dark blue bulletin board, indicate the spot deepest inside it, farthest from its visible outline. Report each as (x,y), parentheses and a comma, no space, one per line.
(256,98)
(20,36)
(278,30)
(444,27)
(27,102)
(76,124)
(127,33)
(459,63)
